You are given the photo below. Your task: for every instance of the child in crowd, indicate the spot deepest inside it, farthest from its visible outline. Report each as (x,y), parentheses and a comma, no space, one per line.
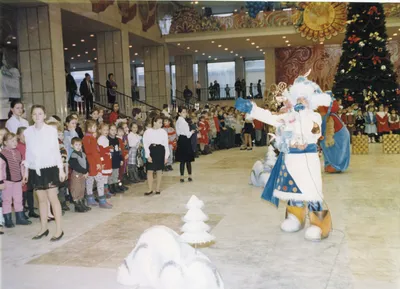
(15,116)
(116,161)
(11,177)
(248,131)
(238,129)
(3,131)
(123,146)
(134,140)
(95,161)
(95,115)
(80,167)
(382,121)
(217,129)
(101,114)
(394,122)
(78,128)
(370,123)
(105,153)
(114,115)
(203,131)
(360,123)
(168,127)
(223,136)
(227,91)
(70,133)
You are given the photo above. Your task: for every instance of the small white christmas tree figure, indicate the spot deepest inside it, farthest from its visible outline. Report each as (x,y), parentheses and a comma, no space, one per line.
(195,231)
(270,159)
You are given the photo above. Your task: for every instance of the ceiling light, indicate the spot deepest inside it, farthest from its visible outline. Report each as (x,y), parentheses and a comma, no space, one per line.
(196,51)
(390,38)
(72,58)
(179,44)
(248,39)
(133,61)
(209,56)
(14,37)
(236,11)
(188,48)
(287,41)
(219,45)
(226,49)
(231,51)
(196,2)
(257,46)
(263,52)
(142,63)
(91,35)
(241,56)
(95,58)
(321,42)
(399,29)
(260,49)
(136,54)
(73,44)
(203,8)
(88,60)
(212,41)
(82,40)
(215,58)
(288,44)
(66,48)
(283,37)
(252,43)
(94,49)
(247,12)
(86,52)
(78,55)
(203,53)
(394,34)
(74,67)
(130,46)
(8,42)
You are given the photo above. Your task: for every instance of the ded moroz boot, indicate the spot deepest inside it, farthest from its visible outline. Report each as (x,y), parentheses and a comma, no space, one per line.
(320,225)
(295,219)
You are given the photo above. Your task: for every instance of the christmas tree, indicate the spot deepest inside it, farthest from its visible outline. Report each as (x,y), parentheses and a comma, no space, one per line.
(365,71)
(195,231)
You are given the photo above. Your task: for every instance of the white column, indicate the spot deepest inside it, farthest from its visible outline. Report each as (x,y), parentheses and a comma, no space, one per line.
(270,73)
(239,68)
(184,72)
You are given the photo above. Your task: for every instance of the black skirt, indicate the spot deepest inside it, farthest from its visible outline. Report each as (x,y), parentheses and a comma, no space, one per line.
(248,128)
(157,154)
(184,151)
(49,178)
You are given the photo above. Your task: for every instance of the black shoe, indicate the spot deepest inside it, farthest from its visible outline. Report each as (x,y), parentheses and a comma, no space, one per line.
(20,219)
(190,179)
(79,208)
(32,214)
(64,206)
(25,216)
(182,181)
(170,168)
(157,193)
(112,190)
(50,219)
(123,188)
(8,223)
(87,208)
(148,193)
(44,234)
(54,239)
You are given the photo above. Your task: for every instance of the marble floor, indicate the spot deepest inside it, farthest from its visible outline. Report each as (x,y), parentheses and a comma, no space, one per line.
(363,251)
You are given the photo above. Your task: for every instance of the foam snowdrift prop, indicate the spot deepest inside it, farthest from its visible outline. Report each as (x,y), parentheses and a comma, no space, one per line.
(161,260)
(261,169)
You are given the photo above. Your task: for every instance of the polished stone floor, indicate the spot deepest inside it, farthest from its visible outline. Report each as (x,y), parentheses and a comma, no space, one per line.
(363,251)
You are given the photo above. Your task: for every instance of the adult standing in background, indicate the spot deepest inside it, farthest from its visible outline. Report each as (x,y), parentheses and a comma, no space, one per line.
(15,119)
(187,95)
(217,89)
(71,90)
(237,87)
(111,88)
(198,90)
(259,92)
(243,87)
(86,89)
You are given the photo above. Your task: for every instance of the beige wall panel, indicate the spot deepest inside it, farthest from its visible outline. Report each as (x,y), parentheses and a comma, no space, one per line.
(44,27)
(110,69)
(33,28)
(109,46)
(38,98)
(160,56)
(101,53)
(47,70)
(161,81)
(49,103)
(23,41)
(25,65)
(119,76)
(126,62)
(36,71)
(28,102)
(154,61)
(102,74)
(154,77)
(117,42)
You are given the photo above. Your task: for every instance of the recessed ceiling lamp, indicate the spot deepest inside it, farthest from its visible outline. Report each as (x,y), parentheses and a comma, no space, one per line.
(142,63)
(86,52)
(78,55)
(399,29)
(73,44)
(88,60)
(241,56)
(95,58)
(196,51)
(8,42)
(188,48)
(72,58)
(252,43)
(74,67)
(209,56)
(82,40)
(261,49)
(390,38)
(14,37)
(203,53)
(321,42)
(236,54)
(263,52)
(257,46)
(179,44)
(394,34)
(287,41)
(196,2)
(283,37)
(288,44)
(130,46)
(236,11)
(226,49)
(66,48)
(231,51)
(248,39)
(212,41)
(94,49)
(203,8)
(215,58)
(219,45)
(133,61)
(91,35)
(136,54)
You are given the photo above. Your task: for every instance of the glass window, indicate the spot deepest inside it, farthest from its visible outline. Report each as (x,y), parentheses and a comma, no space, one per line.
(80,75)
(140,76)
(173,80)
(255,70)
(195,72)
(224,74)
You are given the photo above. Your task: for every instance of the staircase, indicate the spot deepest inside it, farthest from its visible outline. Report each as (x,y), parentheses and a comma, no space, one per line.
(126,103)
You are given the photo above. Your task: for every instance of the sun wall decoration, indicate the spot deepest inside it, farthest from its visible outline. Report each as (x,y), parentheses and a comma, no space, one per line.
(318,21)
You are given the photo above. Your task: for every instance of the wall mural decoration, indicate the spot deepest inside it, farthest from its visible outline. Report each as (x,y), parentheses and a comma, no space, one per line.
(318,21)
(322,60)
(129,9)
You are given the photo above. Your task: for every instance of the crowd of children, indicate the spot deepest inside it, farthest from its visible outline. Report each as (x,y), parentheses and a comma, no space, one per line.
(370,120)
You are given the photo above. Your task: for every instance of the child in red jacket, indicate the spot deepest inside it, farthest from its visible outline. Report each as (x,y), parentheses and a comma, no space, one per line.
(94,158)
(114,115)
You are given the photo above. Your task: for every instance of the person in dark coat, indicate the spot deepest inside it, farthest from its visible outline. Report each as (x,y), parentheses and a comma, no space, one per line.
(87,90)
(71,89)
(237,87)
(111,89)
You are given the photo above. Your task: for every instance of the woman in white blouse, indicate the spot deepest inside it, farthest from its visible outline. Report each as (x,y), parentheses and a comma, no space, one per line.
(16,120)
(44,169)
(155,142)
(184,151)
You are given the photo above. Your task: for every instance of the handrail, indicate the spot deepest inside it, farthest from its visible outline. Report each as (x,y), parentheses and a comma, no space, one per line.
(130,98)
(192,101)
